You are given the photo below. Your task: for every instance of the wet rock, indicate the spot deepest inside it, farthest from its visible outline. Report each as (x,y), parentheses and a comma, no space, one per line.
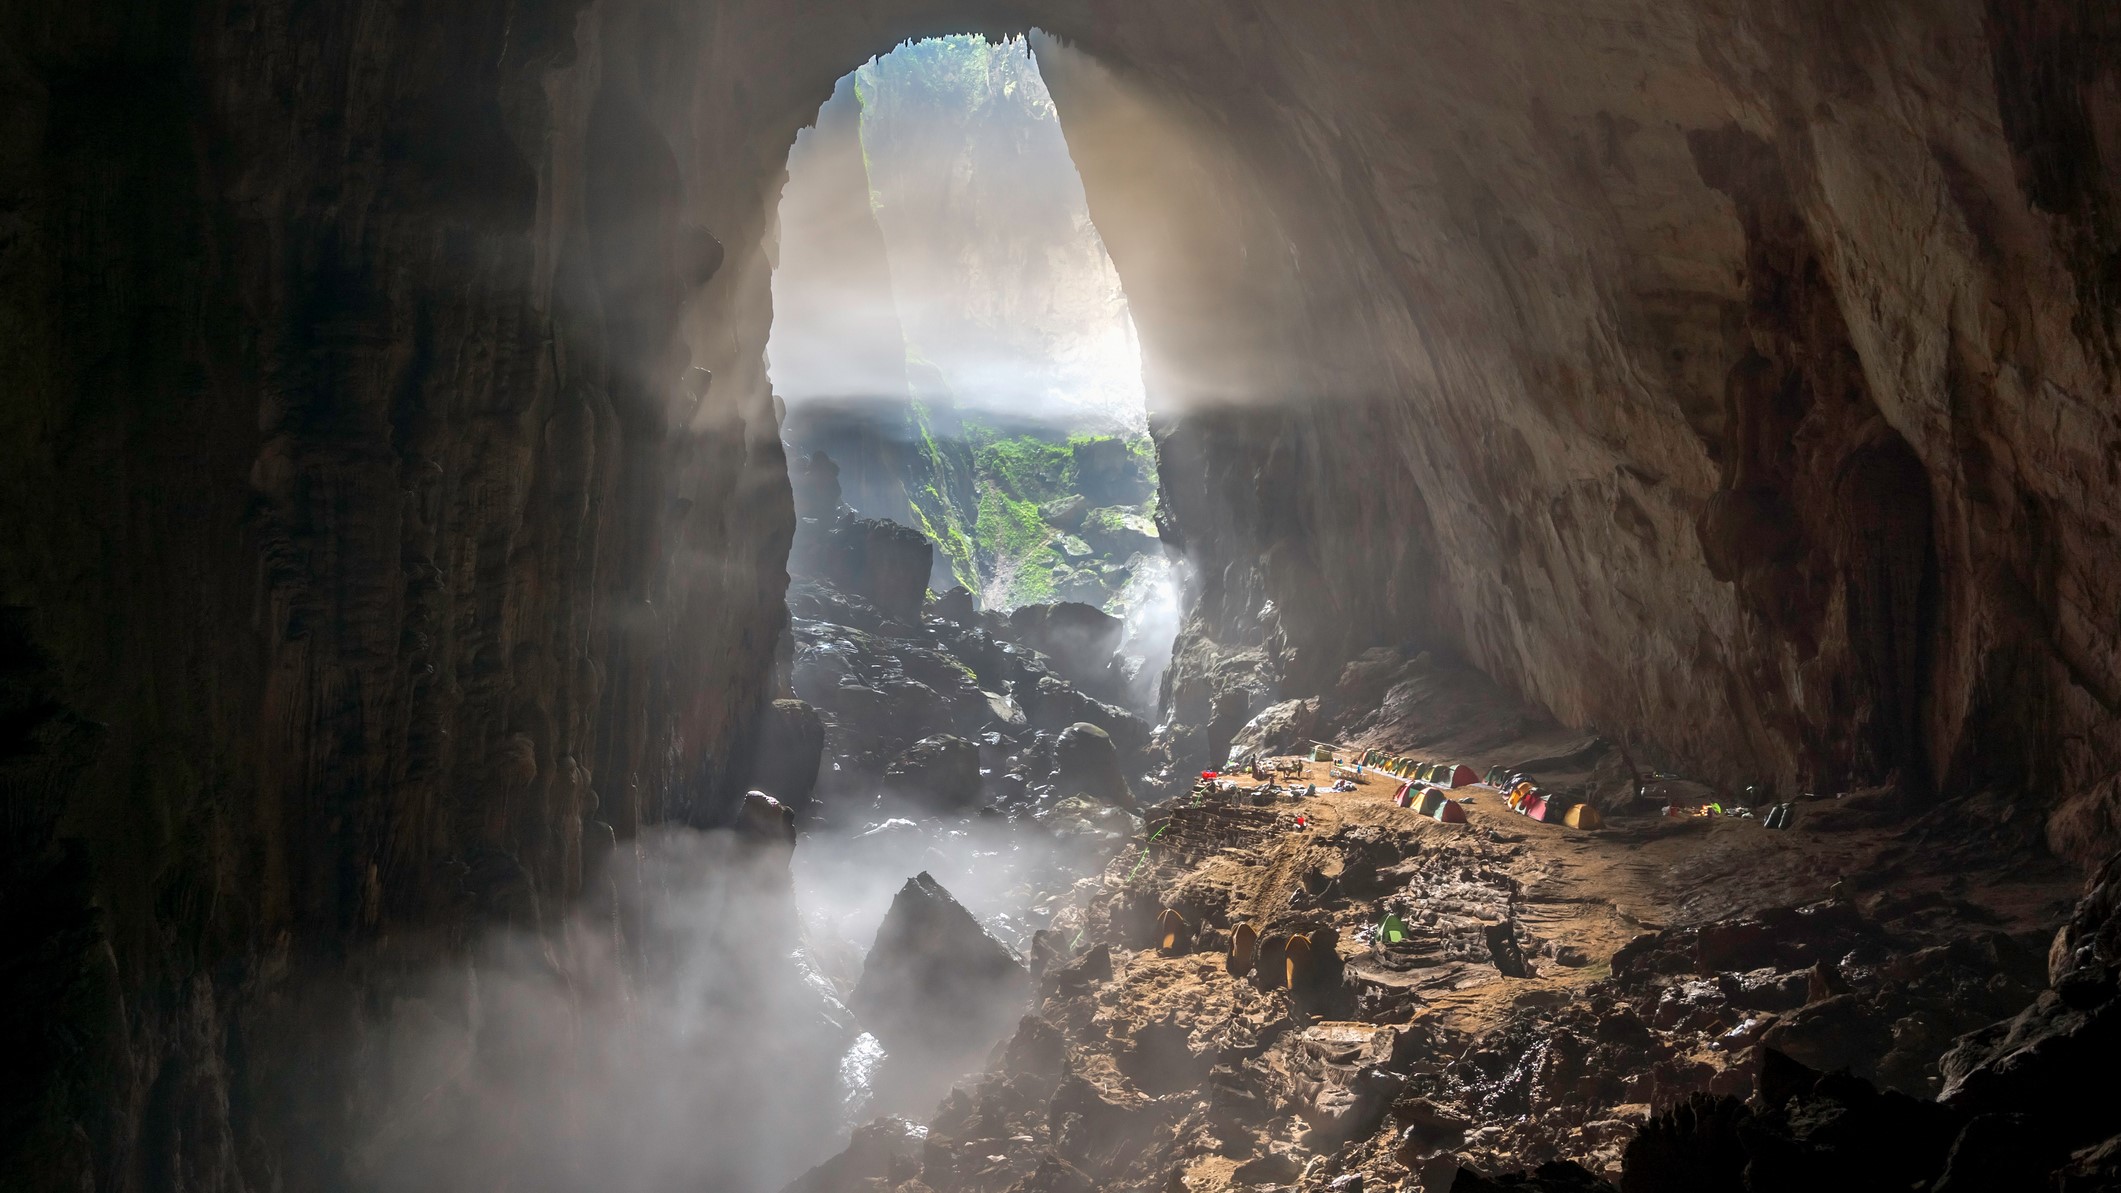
(881,561)
(1082,641)
(940,772)
(1065,512)
(1087,764)
(935,980)
(1108,471)
(1053,704)
(1694,1145)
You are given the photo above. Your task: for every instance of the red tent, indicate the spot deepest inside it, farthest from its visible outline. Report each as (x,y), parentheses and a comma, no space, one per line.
(1463,776)
(1450,811)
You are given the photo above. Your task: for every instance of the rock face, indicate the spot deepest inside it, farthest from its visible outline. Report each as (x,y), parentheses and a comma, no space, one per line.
(1777,522)
(791,741)
(935,981)
(1082,640)
(884,562)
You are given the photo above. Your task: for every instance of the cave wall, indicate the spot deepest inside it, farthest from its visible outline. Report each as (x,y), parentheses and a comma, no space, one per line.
(388,462)
(372,561)
(1736,377)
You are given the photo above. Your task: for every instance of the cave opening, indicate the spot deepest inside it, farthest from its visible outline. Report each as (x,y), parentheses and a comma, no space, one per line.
(950,330)
(980,597)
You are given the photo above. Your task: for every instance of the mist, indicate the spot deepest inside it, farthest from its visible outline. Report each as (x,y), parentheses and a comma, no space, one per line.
(685,1028)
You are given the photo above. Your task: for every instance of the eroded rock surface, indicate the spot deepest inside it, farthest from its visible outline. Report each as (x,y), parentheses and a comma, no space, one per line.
(935,981)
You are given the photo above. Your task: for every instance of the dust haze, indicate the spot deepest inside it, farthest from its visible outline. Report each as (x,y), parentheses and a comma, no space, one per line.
(686,1029)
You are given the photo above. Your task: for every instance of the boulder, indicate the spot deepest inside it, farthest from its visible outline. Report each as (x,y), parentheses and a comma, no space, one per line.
(883,561)
(935,981)
(1083,642)
(1053,705)
(1283,728)
(1086,763)
(1066,513)
(956,604)
(1120,531)
(941,772)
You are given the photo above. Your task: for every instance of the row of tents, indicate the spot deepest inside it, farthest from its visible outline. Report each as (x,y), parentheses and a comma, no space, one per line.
(1429,800)
(1427,781)
(1528,801)
(1443,774)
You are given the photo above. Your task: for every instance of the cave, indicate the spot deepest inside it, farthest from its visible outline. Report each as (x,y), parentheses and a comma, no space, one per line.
(1642,479)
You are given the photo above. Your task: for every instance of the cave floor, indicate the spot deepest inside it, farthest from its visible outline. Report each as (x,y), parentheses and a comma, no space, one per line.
(1662,954)
(1596,891)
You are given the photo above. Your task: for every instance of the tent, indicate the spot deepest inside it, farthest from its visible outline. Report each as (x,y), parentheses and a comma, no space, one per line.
(1392,929)
(1430,797)
(1405,798)
(1450,811)
(1244,945)
(1534,806)
(1520,793)
(1583,816)
(1170,928)
(1497,775)
(1462,776)
(1296,961)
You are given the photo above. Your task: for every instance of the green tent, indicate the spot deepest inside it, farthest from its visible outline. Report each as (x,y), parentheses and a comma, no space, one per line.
(1392,929)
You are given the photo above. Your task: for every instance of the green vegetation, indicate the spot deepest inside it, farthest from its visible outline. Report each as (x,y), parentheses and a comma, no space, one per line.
(978,497)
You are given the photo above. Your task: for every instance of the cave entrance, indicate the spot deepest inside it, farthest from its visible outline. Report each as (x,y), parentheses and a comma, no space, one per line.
(950,331)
